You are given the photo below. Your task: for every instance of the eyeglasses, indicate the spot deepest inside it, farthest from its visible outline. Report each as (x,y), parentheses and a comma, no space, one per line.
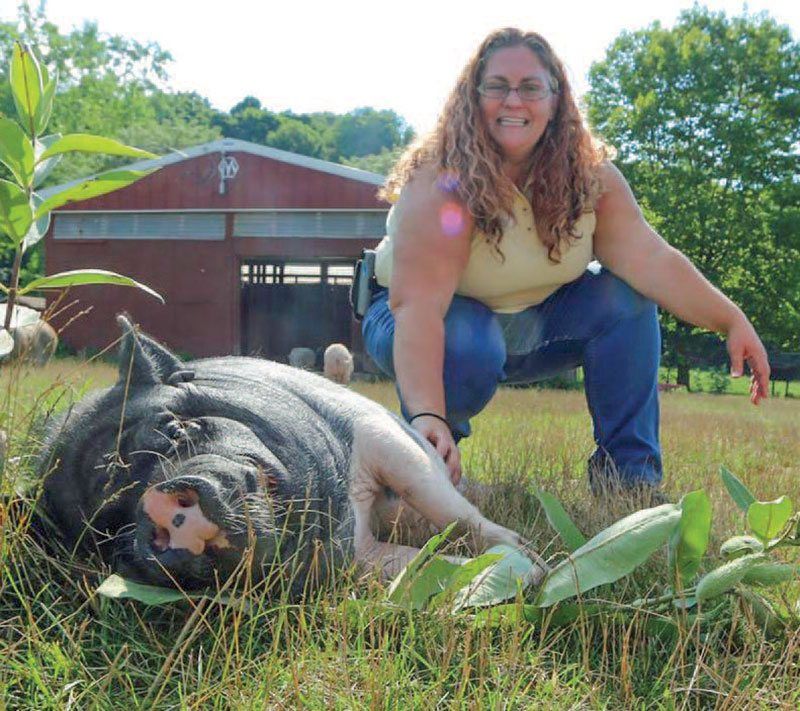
(526,92)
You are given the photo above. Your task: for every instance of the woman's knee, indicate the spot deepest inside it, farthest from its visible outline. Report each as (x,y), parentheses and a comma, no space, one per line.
(474,346)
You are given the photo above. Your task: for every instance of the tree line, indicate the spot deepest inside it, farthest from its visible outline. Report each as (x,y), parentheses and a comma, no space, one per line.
(704,116)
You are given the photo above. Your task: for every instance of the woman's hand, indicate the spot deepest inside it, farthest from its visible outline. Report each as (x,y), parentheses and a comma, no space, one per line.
(745,345)
(439,435)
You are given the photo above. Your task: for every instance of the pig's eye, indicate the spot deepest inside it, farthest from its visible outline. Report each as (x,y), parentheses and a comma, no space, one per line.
(186,499)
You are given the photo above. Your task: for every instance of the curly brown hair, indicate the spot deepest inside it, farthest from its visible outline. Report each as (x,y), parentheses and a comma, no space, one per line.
(561,178)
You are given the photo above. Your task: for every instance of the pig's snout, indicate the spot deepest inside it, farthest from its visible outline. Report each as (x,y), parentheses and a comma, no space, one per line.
(177,520)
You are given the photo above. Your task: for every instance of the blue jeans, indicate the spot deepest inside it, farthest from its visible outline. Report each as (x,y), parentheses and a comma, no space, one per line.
(596,321)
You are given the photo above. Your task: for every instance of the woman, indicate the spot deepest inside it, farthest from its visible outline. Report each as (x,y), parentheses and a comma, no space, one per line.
(484,268)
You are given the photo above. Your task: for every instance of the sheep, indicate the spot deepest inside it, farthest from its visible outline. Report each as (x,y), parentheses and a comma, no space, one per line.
(338,363)
(303,358)
(34,342)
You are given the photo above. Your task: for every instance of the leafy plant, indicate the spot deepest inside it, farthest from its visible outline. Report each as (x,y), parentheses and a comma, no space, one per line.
(685,529)
(30,156)
(433,583)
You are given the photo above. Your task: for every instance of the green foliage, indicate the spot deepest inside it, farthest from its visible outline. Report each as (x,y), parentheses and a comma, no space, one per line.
(704,118)
(560,521)
(767,518)
(767,574)
(739,492)
(84,277)
(719,380)
(24,214)
(611,554)
(626,544)
(502,579)
(295,136)
(722,579)
(740,545)
(689,541)
(99,185)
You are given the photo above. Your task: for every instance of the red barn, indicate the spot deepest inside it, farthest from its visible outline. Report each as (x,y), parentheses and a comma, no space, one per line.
(251,247)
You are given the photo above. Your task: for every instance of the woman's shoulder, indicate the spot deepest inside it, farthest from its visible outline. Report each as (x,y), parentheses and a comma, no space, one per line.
(614,188)
(427,197)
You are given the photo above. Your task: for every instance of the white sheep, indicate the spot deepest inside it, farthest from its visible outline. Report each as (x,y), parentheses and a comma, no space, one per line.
(338,363)
(303,358)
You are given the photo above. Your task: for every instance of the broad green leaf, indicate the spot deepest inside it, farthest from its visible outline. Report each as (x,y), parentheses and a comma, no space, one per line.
(44,168)
(26,85)
(739,492)
(86,143)
(16,152)
(767,574)
(463,576)
(500,581)
(560,521)
(431,579)
(740,545)
(39,227)
(83,277)
(611,554)
(15,211)
(399,589)
(45,108)
(689,541)
(726,577)
(99,185)
(767,518)
(6,342)
(115,586)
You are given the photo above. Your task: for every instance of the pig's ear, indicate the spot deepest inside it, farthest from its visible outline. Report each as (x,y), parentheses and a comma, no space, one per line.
(143,361)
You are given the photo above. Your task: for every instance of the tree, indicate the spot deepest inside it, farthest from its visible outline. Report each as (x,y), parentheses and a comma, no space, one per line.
(247,121)
(380,163)
(705,120)
(367,131)
(295,136)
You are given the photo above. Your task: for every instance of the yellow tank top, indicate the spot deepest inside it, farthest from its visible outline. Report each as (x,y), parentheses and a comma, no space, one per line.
(525,277)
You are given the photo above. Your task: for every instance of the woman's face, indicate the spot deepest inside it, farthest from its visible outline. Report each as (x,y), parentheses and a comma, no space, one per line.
(515,124)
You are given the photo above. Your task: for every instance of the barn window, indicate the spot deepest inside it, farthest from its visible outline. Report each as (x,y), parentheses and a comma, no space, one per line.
(139,225)
(310,223)
(336,273)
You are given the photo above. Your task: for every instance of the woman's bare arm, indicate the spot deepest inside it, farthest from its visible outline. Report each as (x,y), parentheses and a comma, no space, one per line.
(630,248)
(429,258)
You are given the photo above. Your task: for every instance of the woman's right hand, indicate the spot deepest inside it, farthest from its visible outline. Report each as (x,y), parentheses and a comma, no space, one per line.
(439,435)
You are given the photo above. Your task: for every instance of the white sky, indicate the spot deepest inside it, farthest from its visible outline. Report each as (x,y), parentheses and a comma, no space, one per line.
(311,55)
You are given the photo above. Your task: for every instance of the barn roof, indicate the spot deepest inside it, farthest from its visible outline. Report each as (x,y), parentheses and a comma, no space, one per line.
(233,145)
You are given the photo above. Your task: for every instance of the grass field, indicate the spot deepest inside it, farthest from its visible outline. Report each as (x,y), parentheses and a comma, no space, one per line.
(62,646)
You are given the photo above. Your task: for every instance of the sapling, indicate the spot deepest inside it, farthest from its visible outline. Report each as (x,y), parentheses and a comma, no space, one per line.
(30,157)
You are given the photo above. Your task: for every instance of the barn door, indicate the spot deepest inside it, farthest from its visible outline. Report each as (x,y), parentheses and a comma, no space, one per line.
(287,305)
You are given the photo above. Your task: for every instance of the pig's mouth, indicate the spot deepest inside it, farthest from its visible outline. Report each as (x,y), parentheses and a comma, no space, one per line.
(194,527)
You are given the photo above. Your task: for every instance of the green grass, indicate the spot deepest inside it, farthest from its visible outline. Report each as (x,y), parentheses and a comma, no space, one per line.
(61,646)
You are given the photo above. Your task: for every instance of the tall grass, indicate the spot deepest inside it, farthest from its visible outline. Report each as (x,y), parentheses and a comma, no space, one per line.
(62,646)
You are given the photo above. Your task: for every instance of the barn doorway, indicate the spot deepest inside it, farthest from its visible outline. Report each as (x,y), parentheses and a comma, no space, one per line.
(291,304)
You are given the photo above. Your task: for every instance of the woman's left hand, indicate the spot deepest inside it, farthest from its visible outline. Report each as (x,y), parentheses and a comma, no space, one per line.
(745,345)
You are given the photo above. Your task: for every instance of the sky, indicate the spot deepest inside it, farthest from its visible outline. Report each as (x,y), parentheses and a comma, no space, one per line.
(335,56)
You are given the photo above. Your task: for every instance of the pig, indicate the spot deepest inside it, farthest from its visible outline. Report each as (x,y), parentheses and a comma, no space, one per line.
(185,473)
